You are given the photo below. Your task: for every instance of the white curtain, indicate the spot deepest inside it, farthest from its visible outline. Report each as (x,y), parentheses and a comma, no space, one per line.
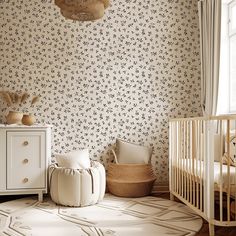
(210,26)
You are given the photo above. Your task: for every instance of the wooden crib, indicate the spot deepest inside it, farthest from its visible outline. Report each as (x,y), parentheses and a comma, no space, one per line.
(201,167)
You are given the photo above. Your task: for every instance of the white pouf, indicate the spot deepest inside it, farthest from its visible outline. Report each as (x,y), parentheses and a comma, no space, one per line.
(77,187)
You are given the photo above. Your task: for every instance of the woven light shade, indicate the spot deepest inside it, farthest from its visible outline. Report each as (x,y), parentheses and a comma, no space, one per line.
(82,10)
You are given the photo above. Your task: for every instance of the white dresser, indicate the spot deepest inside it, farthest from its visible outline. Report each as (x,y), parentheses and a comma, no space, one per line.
(25,153)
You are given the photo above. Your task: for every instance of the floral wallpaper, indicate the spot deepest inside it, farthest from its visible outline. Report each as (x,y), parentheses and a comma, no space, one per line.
(121,76)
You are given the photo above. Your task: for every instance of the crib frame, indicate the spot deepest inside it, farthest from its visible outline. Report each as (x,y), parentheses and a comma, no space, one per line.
(191,141)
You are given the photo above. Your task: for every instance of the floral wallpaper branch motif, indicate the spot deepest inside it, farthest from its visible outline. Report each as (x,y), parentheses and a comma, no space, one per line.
(122,76)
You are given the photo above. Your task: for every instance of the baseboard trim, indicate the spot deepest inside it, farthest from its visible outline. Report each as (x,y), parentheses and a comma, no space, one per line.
(157,188)
(160,188)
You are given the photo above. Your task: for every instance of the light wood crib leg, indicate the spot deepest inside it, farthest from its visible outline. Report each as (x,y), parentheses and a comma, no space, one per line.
(211,229)
(172,197)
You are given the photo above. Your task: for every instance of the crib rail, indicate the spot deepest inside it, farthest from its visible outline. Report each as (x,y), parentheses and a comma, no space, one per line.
(201,159)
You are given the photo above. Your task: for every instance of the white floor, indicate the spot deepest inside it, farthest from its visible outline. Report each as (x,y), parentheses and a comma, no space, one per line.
(149,216)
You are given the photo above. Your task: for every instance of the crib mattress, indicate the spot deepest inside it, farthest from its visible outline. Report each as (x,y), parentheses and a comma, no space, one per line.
(194,167)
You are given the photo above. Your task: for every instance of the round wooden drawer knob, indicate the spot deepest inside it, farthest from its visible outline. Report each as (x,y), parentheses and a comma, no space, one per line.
(25,180)
(25,143)
(26,161)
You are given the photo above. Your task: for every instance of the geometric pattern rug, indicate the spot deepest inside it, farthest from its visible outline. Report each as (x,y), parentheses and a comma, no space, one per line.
(113,216)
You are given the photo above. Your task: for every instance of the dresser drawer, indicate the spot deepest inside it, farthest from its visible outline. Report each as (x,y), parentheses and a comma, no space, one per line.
(26,159)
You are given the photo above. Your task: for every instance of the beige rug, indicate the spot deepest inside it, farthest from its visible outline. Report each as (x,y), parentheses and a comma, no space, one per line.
(147,216)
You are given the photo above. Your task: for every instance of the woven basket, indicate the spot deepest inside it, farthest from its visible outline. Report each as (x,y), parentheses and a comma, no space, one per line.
(130,180)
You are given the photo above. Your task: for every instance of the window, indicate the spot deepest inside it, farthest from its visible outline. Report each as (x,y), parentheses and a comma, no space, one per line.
(232,56)
(232,15)
(227,82)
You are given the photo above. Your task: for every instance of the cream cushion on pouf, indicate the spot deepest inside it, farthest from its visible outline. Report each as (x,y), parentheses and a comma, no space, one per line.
(77,159)
(77,187)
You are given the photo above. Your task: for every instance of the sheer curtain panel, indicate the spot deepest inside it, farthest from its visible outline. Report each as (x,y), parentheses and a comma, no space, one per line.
(210,26)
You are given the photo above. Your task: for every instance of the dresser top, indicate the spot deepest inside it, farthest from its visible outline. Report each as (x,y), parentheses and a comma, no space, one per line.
(26,126)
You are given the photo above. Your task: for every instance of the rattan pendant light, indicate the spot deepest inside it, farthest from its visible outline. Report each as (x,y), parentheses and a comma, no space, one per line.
(82,10)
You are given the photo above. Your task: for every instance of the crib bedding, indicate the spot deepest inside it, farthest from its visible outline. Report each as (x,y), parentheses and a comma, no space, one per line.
(196,167)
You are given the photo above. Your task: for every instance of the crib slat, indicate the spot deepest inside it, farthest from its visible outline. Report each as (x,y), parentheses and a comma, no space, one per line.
(176,167)
(187,160)
(199,166)
(202,161)
(228,169)
(234,176)
(197,160)
(221,187)
(202,138)
(176,153)
(182,160)
(179,155)
(177,160)
(173,162)
(170,155)
(191,161)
